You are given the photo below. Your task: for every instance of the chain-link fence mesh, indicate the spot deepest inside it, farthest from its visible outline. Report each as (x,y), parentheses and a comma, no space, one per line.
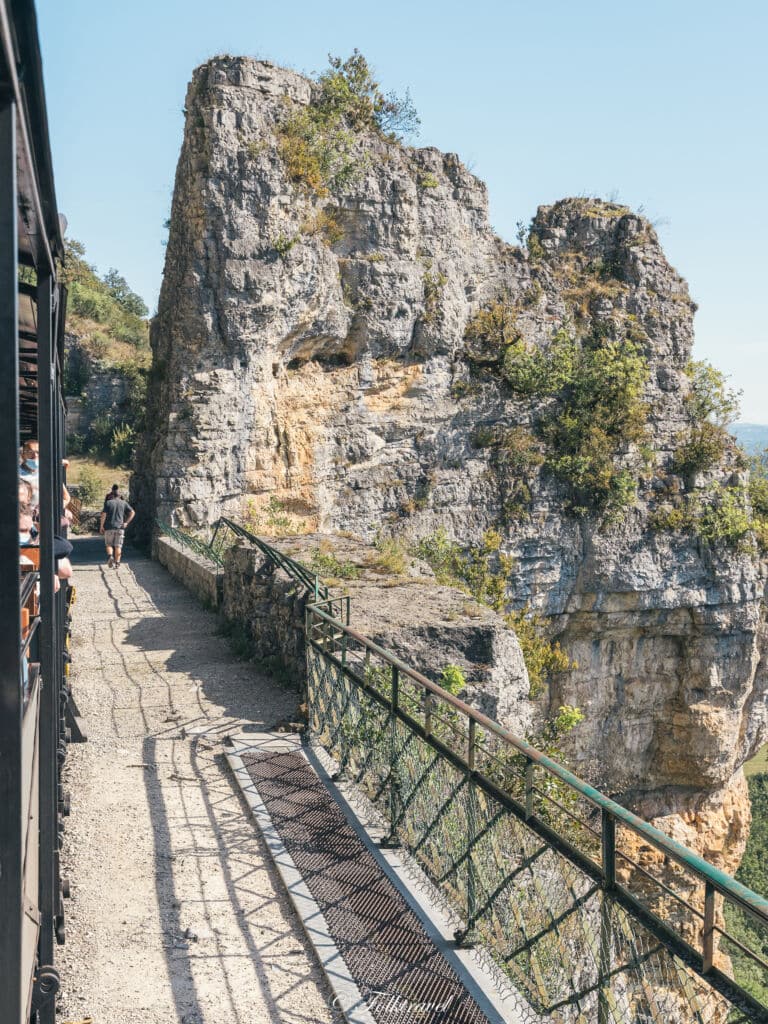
(523,887)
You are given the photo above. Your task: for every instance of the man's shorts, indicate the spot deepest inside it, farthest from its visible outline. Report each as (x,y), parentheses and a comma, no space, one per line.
(114,538)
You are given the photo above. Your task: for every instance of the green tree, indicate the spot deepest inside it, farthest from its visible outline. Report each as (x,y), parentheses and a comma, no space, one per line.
(710,398)
(348,90)
(318,142)
(129,300)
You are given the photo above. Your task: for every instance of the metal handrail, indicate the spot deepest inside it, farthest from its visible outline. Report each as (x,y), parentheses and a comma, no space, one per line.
(755,904)
(294,569)
(322,608)
(187,540)
(309,580)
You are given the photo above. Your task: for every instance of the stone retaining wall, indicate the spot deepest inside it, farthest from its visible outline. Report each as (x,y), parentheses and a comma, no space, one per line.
(269,606)
(199,576)
(427,625)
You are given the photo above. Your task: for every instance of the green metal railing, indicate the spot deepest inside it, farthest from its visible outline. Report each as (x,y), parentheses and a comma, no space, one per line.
(195,544)
(594,914)
(225,532)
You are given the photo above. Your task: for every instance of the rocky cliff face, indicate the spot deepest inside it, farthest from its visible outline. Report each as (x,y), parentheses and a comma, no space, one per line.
(347,380)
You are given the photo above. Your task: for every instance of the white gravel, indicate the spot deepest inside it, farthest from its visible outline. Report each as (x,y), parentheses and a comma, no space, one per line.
(176,913)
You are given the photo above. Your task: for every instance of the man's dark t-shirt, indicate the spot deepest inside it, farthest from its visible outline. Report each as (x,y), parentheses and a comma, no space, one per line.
(116,511)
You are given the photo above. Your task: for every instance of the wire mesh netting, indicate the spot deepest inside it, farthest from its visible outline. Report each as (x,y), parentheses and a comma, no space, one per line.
(567,944)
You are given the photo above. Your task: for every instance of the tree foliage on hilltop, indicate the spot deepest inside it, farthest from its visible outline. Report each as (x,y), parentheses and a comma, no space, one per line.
(102,308)
(349,91)
(110,323)
(318,142)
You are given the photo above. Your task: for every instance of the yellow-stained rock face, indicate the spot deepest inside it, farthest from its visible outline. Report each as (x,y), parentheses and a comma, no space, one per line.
(305,403)
(714,826)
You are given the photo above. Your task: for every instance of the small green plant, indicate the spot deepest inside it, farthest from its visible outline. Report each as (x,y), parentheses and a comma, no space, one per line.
(283,244)
(711,406)
(100,434)
(519,451)
(452,679)
(678,518)
(428,181)
(710,398)
(326,564)
(240,641)
(122,445)
(535,248)
(480,569)
(720,517)
(726,519)
(323,224)
(699,449)
(318,142)
(255,148)
(484,435)
(597,390)
(490,331)
(77,444)
(392,556)
(543,658)
(758,498)
(89,487)
(554,732)
(434,283)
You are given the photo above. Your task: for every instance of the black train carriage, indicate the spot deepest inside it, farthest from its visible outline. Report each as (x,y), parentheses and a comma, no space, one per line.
(33,634)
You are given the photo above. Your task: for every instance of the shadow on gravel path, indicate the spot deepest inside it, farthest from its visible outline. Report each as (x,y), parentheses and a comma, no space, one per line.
(177,915)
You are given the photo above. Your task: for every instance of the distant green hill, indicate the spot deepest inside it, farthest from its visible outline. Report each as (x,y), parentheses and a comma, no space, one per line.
(753,437)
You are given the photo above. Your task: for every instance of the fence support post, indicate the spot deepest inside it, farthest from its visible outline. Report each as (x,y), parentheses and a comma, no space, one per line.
(529,770)
(608,841)
(391,839)
(464,937)
(708,935)
(608,835)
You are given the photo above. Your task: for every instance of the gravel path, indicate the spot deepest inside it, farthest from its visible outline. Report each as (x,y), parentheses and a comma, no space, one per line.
(176,913)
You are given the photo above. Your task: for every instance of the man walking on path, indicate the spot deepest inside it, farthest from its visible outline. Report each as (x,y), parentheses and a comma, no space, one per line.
(115,516)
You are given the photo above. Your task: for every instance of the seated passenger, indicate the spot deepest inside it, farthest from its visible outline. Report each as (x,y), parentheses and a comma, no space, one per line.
(30,469)
(25,512)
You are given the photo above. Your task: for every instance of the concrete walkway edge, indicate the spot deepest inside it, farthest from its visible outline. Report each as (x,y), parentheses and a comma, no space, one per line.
(478,981)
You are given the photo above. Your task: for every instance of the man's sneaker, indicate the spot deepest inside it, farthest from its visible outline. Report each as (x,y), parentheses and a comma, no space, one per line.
(110,562)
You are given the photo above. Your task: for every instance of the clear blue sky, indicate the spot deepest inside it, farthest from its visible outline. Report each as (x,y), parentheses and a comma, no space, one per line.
(659,104)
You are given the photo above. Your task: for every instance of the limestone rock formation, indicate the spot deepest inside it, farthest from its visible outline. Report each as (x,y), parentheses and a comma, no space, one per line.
(340,374)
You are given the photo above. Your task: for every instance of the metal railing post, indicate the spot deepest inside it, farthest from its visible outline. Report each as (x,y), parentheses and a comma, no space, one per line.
(392,839)
(608,845)
(464,938)
(308,662)
(529,770)
(708,933)
(608,838)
